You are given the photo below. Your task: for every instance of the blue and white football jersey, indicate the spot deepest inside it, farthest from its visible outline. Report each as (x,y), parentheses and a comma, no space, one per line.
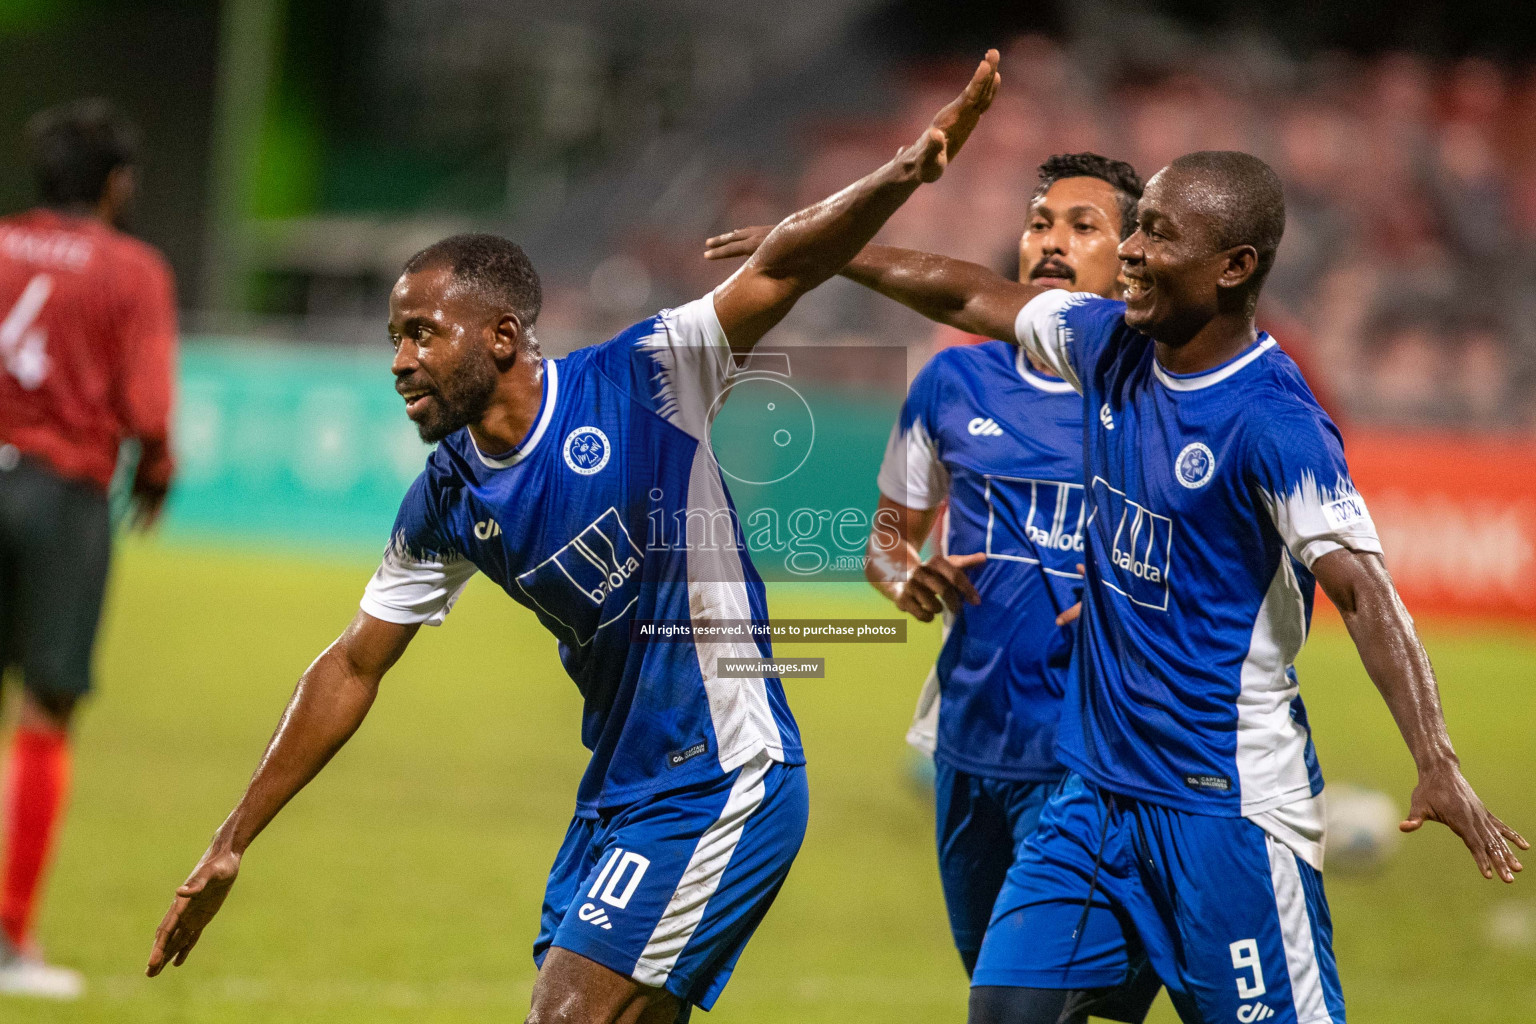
(612,510)
(1004,444)
(1210,497)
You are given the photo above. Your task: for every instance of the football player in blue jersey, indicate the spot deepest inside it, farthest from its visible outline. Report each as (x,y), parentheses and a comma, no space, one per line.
(1189,831)
(547,476)
(997,436)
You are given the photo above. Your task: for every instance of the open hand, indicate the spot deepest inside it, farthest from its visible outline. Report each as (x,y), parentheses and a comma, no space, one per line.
(198,899)
(953,124)
(741,242)
(1444,795)
(937,584)
(959,117)
(926,158)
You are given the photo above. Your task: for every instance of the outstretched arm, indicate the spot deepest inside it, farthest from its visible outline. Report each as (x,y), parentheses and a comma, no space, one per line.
(1358,584)
(808,247)
(330,702)
(963,295)
(966,296)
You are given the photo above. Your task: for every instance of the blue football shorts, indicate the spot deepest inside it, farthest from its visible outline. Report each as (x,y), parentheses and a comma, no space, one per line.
(668,890)
(1232,921)
(980,824)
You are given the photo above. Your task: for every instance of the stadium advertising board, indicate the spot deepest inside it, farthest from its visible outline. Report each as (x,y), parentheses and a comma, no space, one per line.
(1457,519)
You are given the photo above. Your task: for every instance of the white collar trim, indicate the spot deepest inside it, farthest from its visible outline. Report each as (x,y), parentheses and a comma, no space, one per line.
(551,389)
(1033,379)
(1216,376)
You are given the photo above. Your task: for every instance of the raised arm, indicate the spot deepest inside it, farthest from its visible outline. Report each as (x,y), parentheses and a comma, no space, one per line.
(808,247)
(963,295)
(1358,584)
(329,703)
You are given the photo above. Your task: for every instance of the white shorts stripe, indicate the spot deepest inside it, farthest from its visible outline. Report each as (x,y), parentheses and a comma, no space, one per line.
(1296,932)
(702,875)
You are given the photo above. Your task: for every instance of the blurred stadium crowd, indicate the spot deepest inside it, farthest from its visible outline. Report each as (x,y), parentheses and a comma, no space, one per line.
(1406,284)
(612,138)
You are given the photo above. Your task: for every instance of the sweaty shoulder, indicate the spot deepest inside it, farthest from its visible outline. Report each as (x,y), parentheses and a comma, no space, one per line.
(1065,330)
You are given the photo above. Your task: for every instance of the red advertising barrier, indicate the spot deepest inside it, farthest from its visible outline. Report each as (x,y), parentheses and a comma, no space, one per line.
(1457,519)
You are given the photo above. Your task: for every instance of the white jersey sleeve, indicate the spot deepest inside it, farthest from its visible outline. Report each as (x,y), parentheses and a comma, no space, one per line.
(912,472)
(1041,329)
(692,364)
(421,574)
(409,590)
(1298,467)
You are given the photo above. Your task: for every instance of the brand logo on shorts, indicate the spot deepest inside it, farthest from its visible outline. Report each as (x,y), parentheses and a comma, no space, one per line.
(587,450)
(487,529)
(593,914)
(984,426)
(1195,465)
(615,884)
(1105,417)
(1253,1012)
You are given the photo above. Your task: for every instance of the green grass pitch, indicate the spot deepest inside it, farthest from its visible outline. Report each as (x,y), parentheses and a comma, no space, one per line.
(405,884)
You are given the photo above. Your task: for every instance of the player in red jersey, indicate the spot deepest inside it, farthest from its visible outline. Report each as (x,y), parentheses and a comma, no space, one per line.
(87,340)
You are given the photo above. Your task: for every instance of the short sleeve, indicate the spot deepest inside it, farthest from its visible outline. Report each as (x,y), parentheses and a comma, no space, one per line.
(420,576)
(690,363)
(1058,328)
(912,473)
(1297,466)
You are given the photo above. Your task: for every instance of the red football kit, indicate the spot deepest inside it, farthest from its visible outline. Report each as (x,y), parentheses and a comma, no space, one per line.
(87,345)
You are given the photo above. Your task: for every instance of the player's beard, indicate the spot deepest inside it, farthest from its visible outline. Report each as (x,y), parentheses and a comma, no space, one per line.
(461,399)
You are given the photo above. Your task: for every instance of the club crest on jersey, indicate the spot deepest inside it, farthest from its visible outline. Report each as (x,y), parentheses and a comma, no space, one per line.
(1195,465)
(586,450)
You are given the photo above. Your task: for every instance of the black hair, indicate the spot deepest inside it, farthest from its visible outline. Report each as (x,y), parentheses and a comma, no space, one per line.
(1117,173)
(76,146)
(1245,201)
(495,267)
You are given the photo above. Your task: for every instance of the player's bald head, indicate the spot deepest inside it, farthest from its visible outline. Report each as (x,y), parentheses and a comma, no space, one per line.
(1237,196)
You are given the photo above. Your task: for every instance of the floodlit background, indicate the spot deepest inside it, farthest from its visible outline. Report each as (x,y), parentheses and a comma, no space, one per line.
(299,150)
